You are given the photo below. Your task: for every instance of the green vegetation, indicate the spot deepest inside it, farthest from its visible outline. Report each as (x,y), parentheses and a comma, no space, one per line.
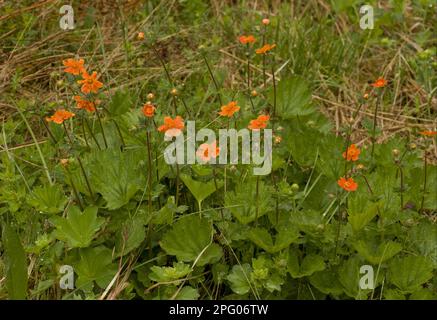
(93,191)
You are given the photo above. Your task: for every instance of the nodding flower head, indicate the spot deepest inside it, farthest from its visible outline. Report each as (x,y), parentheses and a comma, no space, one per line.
(84,104)
(348,184)
(247,39)
(74,66)
(379,83)
(60,116)
(206,152)
(229,109)
(90,83)
(266,48)
(429,133)
(352,153)
(259,123)
(172,127)
(148,110)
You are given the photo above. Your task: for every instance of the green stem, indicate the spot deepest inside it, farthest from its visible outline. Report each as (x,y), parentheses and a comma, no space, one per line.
(29,128)
(101,127)
(149,173)
(92,134)
(425,165)
(80,163)
(76,194)
(375,117)
(257,201)
(213,80)
(274,89)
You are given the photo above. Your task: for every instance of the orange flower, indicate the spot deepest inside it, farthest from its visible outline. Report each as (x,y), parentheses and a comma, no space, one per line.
(347,184)
(379,83)
(149,110)
(140,36)
(208,151)
(352,153)
(264,49)
(90,82)
(259,123)
(265,21)
(74,66)
(246,39)
(429,133)
(60,116)
(172,127)
(84,104)
(229,109)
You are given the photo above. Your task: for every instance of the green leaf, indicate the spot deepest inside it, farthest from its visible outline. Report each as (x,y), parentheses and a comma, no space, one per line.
(190,237)
(78,228)
(423,238)
(200,190)
(242,202)
(377,254)
(116,175)
(120,103)
(393,294)
(423,294)
(188,293)
(360,211)
(311,263)
(349,276)
(164,274)
(16,267)
(48,199)
(239,278)
(409,273)
(95,264)
(130,236)
(293,98)
(262,238)
(327,282)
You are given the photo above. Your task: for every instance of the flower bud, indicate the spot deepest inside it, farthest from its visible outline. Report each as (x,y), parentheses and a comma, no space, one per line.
(150,96)
(140,36)
(395,152)
(266,21)
(64,162)
(174,92)
(254,93)
(278,139)
(295,187)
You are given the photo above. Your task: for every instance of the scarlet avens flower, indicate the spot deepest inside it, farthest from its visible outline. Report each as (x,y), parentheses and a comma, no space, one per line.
(347,184)
(90,83)
(74,66)
(149,110)
(172,127)
(247,39)
(259,123)
(428,133)
(229,109)
(265,21)
(60,116)
(266,48)
(352,153)
(379,83)
(84,104)
(206,152)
